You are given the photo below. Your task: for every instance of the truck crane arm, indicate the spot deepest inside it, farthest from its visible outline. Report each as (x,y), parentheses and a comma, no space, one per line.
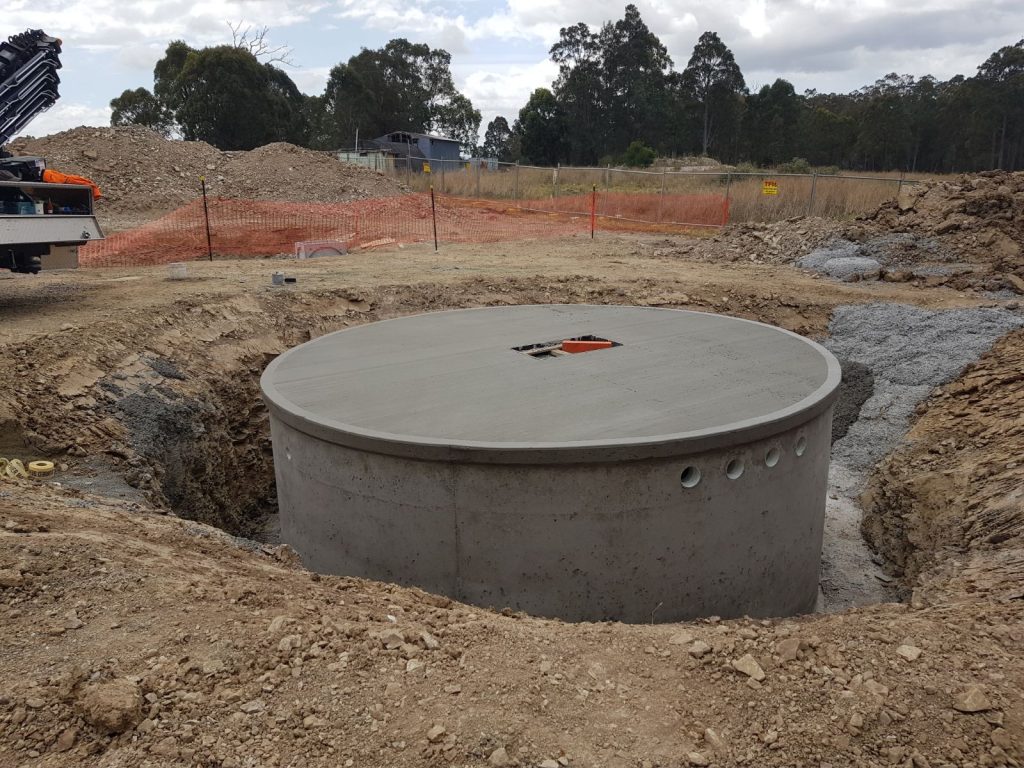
(44,214)
(28,79)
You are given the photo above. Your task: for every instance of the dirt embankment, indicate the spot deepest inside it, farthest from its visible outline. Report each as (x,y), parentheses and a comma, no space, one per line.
(948,508)
(143,175)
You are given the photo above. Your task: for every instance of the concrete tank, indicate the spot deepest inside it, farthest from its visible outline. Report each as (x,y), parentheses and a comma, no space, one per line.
(679,473)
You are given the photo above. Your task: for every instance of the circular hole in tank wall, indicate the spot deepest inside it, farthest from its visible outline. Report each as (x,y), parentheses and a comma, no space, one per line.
(734,469)
(690,477)
(801,445)
(771,458)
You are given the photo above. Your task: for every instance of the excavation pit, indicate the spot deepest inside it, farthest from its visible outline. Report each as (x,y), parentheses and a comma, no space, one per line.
(680,473)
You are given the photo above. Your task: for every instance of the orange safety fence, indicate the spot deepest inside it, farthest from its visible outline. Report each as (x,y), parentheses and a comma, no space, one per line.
(246,228)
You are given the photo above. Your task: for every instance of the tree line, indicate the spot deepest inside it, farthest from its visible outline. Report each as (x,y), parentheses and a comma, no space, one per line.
(618,98)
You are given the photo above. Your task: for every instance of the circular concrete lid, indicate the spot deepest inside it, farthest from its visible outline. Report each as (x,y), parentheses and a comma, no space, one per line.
(453,386)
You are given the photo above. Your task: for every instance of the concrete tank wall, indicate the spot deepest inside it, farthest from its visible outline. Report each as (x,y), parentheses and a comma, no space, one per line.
(622,541)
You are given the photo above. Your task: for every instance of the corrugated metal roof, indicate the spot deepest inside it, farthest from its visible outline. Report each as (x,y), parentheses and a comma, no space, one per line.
(415,135)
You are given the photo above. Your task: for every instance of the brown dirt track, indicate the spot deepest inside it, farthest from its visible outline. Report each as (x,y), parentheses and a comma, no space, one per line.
(134,638)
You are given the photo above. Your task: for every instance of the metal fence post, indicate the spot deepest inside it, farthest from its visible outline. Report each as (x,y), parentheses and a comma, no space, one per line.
(814,185)
(433,214)
(206,217)
(554,180)
(515,193)
(444,189)
(661,200)
(408,171)
(478,179)
(899,186)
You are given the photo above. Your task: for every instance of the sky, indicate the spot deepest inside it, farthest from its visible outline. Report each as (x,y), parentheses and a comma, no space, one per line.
(499,47)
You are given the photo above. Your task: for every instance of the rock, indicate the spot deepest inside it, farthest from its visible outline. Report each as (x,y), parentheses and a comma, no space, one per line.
(34,702)
(252,707)
(436,734)
(312,721)
(500,758)
(92,154)
(696,758)
(715,741)
(391,639)
(856,722)
(277,624)
(429,642)
(908,197)
(66,740)
(972,700)
(10,578)
(681,638)
(113,706)
(414,664)
(548,764)
(788,649)
(1002,738)
(699,648)
(909,652)
(289,642)
(71,620)
(749,667)
(1016,282)
(876,688)
(166,747)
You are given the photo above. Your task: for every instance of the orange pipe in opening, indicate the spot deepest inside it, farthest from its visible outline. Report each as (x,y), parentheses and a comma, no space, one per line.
(584,346)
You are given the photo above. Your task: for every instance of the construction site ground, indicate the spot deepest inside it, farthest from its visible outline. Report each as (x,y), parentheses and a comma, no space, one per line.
(146,619)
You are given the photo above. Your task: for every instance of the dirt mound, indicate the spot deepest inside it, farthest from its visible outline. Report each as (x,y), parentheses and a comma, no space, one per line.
(778,242)
(143,175)
(980,216)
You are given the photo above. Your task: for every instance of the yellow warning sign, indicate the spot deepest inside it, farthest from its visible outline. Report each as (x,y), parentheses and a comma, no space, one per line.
(426,167)
(769,187)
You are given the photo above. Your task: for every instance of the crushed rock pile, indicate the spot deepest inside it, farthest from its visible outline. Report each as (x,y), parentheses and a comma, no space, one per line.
(981,216)
(778,242)
(144,175)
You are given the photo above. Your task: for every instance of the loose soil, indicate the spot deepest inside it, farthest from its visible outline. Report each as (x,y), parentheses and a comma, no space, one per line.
(143,175)
(134,637)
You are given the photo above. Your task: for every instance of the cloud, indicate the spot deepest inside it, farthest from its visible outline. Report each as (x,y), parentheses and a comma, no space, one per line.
(503,89)
(310,79)
(111,24)
(63,116)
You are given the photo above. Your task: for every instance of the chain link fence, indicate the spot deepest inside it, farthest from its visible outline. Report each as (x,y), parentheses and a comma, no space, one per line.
(668,197)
